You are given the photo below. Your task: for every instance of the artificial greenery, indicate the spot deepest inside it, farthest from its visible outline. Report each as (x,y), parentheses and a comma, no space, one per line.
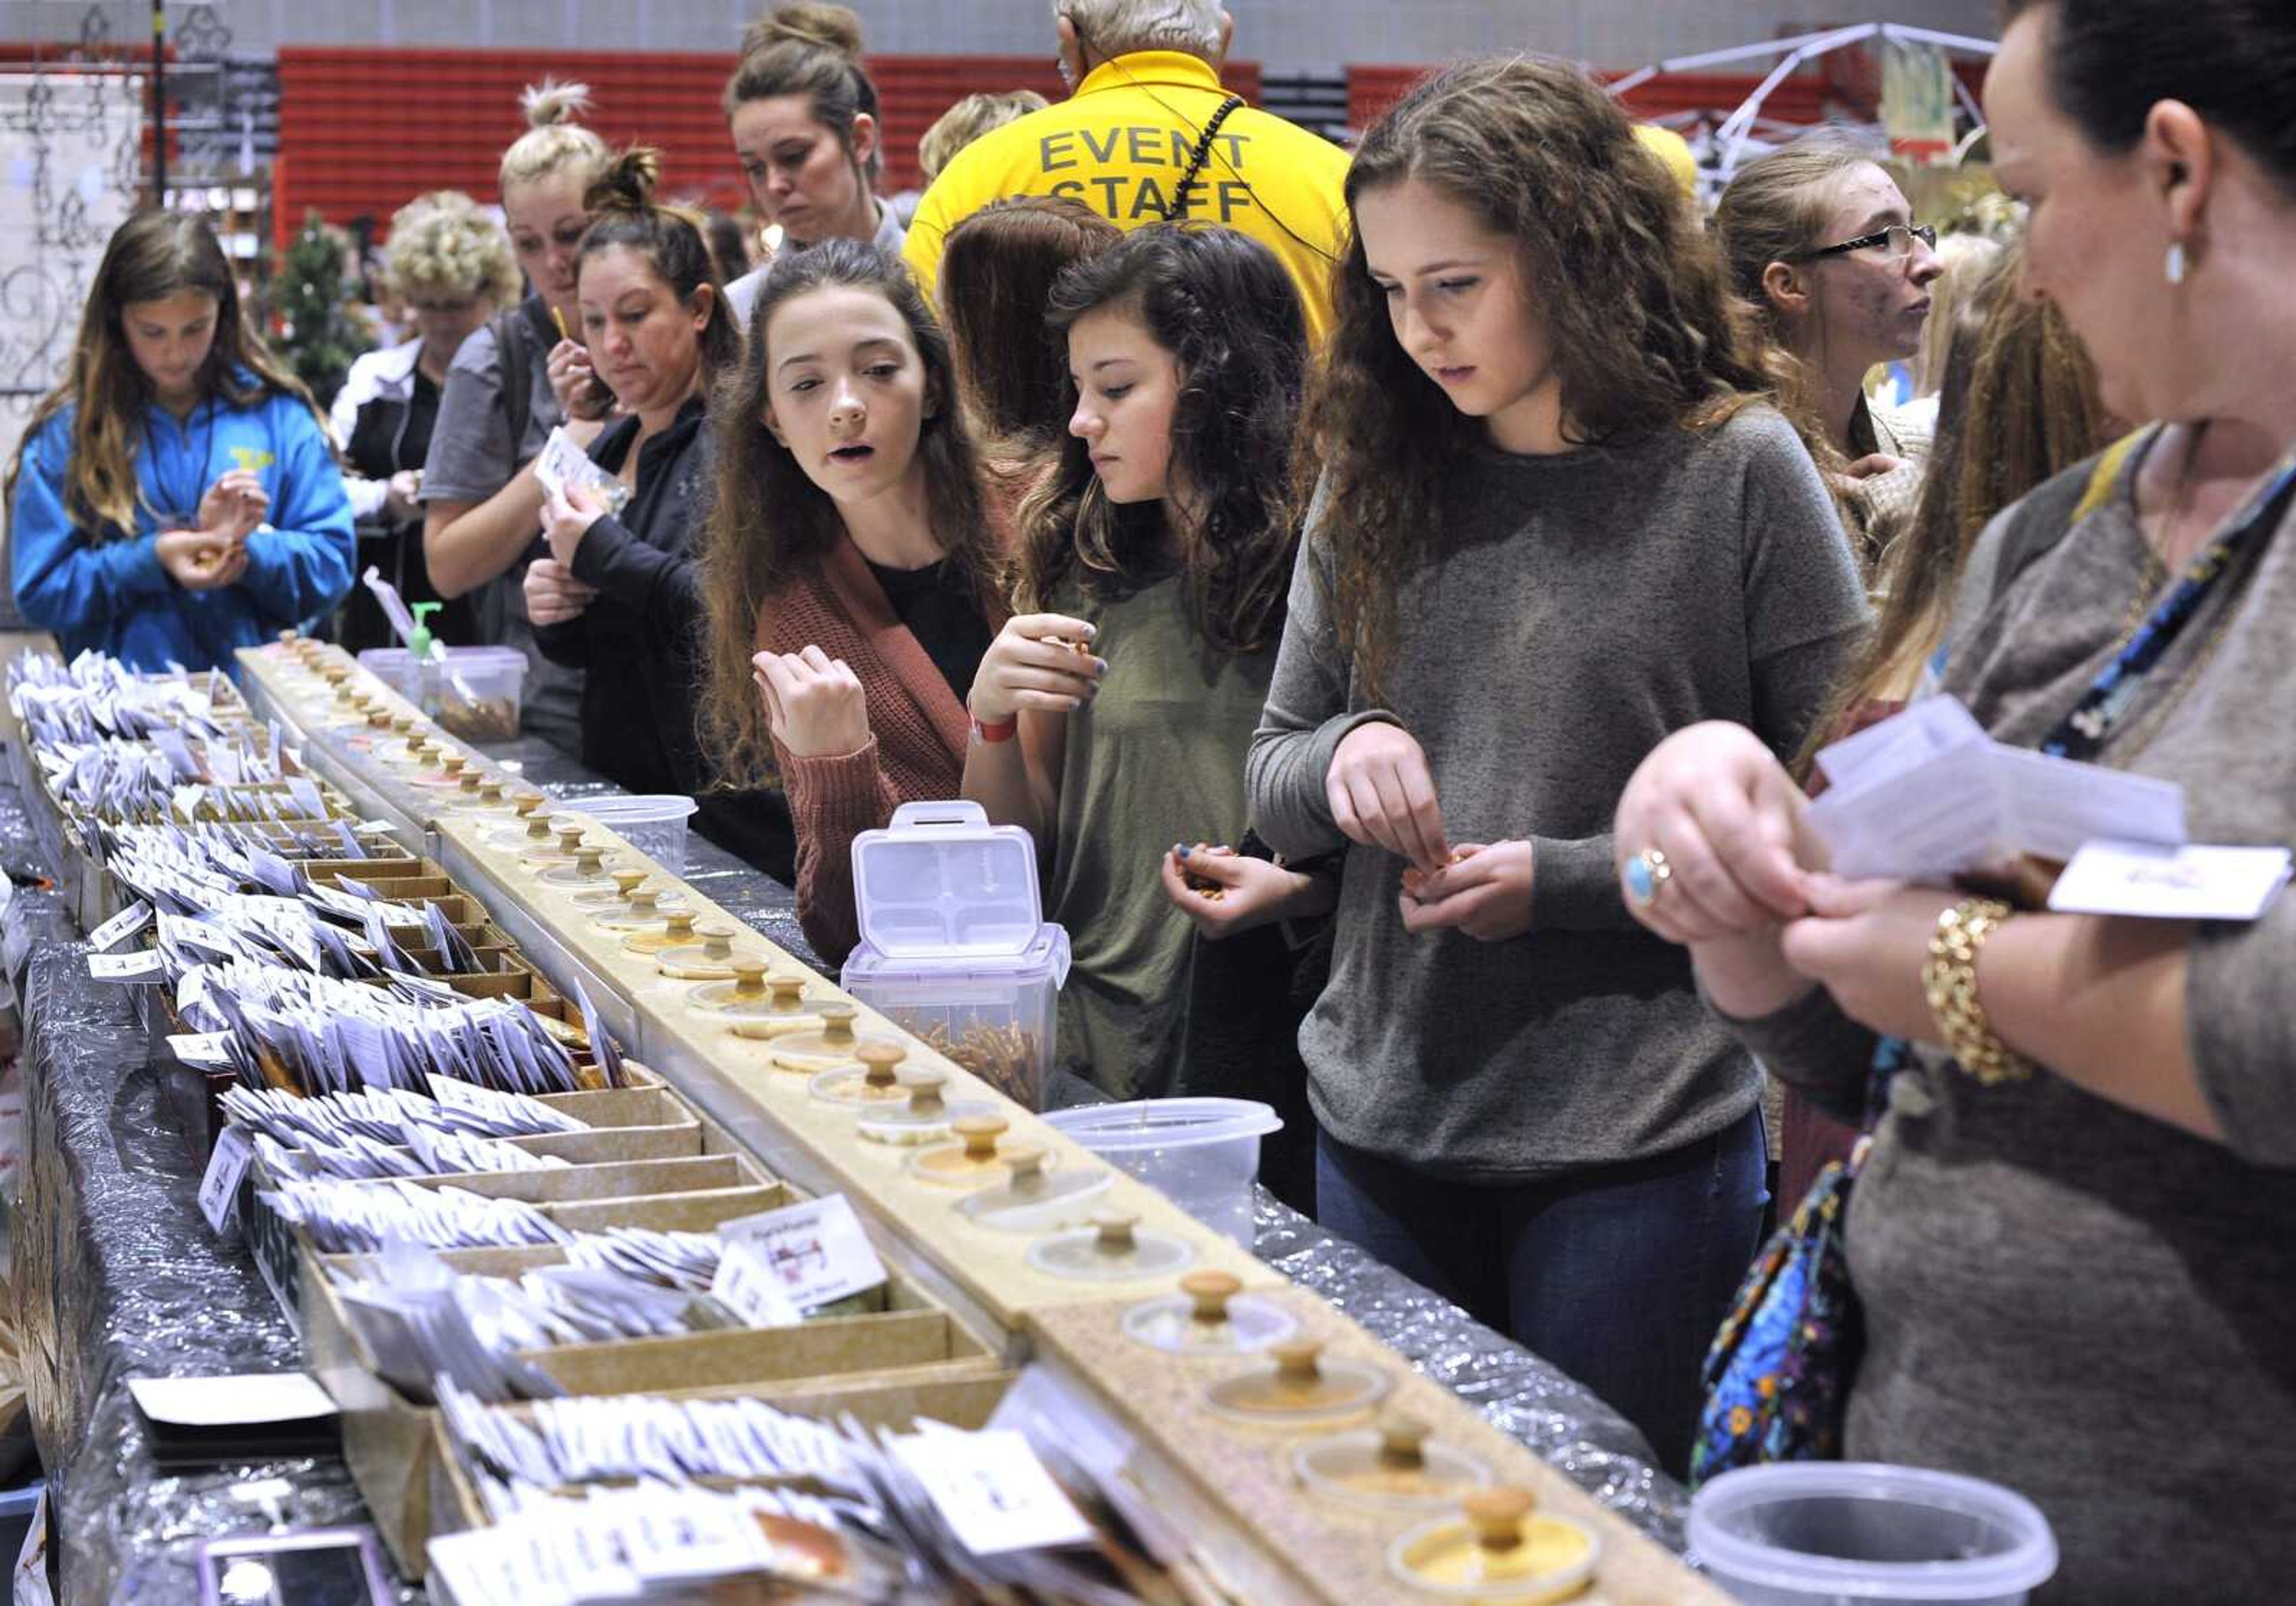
(318,333)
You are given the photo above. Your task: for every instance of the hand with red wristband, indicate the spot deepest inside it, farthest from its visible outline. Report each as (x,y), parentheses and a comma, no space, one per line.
(1039,661)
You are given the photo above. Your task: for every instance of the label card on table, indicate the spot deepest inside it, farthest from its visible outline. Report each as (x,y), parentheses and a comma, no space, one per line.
(208,1051)
(142,965)
(121,926)
(746,1284)
(2171,883)
(992,1491)
(817,1251)
(226,1169)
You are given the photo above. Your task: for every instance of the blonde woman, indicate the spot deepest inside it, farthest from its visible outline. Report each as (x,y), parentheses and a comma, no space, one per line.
(450,266)
(482,508)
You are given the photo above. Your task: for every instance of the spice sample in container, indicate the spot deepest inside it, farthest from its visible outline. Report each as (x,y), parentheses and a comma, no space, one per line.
(1034,1201)
(1114,1249)
(1301,1386)
(877,1080)
(751,998)
(926,1118)
(1394,1466)
(566,842)
(710,958)
(588,870)
(1209,1316)
(1500,1548)
(832,1045)
(974,1161)
(1007,1058)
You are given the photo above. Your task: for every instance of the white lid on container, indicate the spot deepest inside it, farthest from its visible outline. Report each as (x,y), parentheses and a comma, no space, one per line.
(1164,1123)
(941,884)
(461,658)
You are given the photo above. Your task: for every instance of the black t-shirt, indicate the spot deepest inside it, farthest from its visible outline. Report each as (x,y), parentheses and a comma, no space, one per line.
(942,610)
(391,435)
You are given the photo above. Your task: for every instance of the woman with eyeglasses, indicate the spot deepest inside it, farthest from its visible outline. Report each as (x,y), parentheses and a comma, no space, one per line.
(1823,242)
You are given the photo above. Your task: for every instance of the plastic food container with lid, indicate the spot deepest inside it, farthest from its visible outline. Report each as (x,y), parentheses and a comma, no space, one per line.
(473,693)
(655,826)
(954,947)
(1201,1153)
(1846,1533)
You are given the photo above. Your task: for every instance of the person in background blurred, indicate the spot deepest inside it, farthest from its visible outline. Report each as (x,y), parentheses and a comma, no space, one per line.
(802,110)
(176,497)
(482,505)
(450,267)
(1968,261)
(733,244)
(966,121)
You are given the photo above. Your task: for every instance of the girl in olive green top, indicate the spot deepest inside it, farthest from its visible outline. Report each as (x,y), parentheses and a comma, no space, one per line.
(1113,714)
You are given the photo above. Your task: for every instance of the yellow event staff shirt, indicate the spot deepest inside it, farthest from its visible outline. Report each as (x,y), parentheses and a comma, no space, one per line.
(1123,141)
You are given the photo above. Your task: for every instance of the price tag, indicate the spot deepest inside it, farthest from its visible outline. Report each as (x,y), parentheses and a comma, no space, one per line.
(817,1251)
(121,926)
(226,1169)
(992,1491)
(144,965)
(210,1050)
(746,1285)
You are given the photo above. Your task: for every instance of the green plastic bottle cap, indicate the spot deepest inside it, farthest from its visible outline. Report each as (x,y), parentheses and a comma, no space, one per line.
(419,643)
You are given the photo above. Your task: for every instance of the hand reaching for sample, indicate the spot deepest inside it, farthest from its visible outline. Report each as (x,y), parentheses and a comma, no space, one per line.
(574,381)
(814,703)
(1865,943)
(400,493)
(553,597)
(1383,795)
(1482,890)
(198,560)
(1039,661)
(234,507)
(1225,893)
(566,519)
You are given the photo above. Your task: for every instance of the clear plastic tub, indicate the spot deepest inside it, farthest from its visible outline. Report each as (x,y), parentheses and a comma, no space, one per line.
(475,694)
(655,826)
(1203,1154)
(1845,1533)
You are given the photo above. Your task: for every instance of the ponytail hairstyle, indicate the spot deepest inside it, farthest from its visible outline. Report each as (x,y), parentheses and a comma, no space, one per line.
(154,255)
(1228,313)
(1644,330)
(672,241)
(813,50)
(554,141)
(769,524)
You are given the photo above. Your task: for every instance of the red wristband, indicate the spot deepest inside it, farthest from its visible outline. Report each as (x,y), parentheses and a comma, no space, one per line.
(1001,730)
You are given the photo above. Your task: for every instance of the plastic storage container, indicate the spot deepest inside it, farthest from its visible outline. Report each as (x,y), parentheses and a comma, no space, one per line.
(954,947)
(1203,1154)
(655,826)
(478,700)
(1844,1533)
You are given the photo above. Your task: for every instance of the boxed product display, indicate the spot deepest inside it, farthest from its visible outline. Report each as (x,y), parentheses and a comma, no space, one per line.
(955,947)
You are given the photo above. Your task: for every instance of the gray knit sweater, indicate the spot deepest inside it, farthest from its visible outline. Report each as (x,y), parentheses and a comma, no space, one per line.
(2087,1306)
(1582,606)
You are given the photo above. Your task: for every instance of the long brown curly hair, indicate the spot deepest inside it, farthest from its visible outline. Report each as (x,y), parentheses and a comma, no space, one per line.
(1645,333)
(768,522)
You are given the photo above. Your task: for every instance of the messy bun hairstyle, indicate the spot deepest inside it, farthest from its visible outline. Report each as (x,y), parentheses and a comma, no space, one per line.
(813,50)
(554,141)
(673,240)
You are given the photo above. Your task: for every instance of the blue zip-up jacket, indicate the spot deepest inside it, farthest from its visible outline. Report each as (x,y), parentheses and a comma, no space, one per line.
(113,596)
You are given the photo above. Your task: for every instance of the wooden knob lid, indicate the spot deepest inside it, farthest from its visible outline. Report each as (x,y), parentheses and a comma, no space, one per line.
(569,837)
(627,882)
(288,637)
(1403,1442)
(470,780)
(1210,1291)
(335,674)
(678,926)
(537,829)
(426,749)
(1114,1234)
(789,991)
(453,764)
(979,1132)
(925,1093)
(717,941)
(378,719)
(529,804)
(879,1062)
(589,861)
(1026,1161)
(642,901)
(1496,1517)
(836,1023)
(491,792)
(749,977)
(1295,1361)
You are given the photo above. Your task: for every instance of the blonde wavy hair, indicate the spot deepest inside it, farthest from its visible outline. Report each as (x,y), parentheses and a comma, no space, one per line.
(443,248)
(556,141)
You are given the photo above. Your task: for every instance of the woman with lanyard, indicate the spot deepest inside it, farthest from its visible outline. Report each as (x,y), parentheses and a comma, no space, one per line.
(2074,1235)
(803,113)
(481,501)
(177,496)
(620,595)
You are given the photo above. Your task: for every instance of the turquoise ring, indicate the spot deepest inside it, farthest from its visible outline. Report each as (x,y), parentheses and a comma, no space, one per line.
(1646,875)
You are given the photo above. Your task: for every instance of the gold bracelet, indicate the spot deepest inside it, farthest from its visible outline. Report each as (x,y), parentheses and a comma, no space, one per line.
(1949,977)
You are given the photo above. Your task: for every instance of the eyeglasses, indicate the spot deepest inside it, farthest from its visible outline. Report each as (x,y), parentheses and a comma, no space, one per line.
(1897,239)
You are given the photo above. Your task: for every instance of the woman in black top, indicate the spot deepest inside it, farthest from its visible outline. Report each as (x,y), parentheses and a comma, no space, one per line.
(619,596)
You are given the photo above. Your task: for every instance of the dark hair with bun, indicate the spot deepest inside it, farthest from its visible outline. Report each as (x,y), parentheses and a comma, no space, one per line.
(2111,61)
(622,212)
(813,50)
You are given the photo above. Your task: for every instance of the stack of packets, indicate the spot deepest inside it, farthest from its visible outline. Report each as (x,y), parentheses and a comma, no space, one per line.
(1035,1507)
(1928,797)
(95,697)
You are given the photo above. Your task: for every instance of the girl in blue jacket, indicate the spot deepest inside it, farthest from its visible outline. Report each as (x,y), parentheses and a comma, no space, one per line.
(177,496)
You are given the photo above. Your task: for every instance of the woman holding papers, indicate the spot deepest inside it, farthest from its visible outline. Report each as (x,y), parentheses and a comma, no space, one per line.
(2074,1237)
(620,597)
(1536,550)
(177,496)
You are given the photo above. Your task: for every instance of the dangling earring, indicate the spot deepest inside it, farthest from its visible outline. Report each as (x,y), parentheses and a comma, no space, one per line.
(2176,263)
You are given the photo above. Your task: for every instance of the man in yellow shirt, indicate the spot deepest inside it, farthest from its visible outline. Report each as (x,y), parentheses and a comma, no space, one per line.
(1151,135)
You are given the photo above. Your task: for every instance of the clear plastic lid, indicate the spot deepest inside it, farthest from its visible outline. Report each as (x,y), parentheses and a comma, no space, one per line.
(974,1160)
(1034,1199)
(589,869)
(1499,1548)
(710,958)
(876,1080)
(1394,1466)
(822,1040)
(923,1118)
(446,776)
(1302,1385)
(565,842)
(941,884)
(1113,1249)
(639,912)
(751,994)
(1209,1316)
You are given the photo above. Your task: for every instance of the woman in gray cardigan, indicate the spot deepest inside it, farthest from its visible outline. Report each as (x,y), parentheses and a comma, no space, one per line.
(2075,1237)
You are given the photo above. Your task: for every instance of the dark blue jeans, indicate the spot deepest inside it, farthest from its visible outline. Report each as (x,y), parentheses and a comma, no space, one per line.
(1618,1275)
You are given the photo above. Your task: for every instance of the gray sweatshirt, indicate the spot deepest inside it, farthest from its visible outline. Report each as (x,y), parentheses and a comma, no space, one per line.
(1582,606)
(2090,1306)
